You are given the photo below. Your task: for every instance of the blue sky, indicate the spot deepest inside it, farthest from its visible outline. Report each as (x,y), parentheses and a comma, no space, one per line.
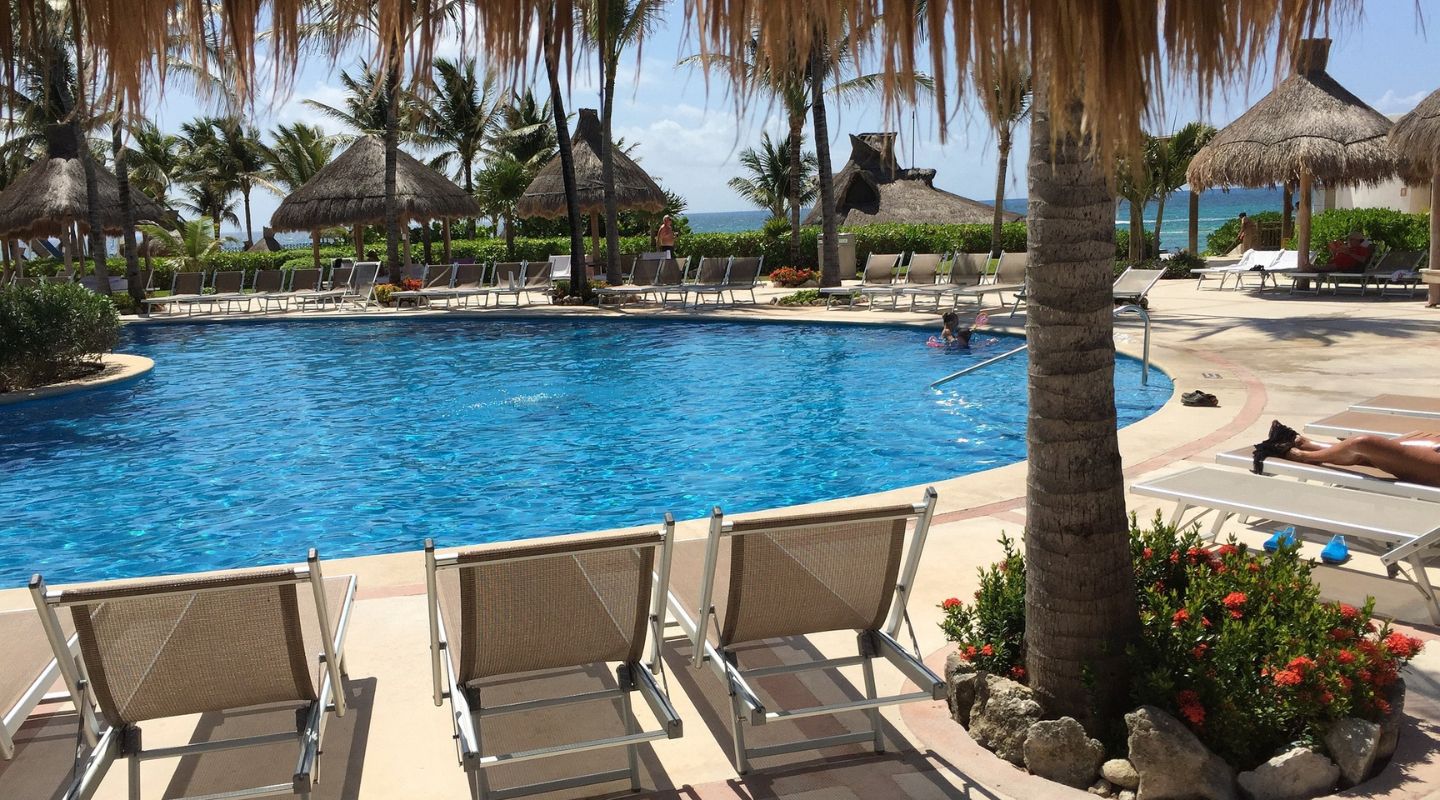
(688,134)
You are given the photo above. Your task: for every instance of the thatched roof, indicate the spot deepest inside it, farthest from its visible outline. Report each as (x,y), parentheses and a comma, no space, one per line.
(50,195)
(351,191)
(634,189)
(873,188)
(1416,137)
(1308,121)
(267,243)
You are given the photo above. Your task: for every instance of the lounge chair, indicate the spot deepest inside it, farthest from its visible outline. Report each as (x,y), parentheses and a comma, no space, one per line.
(1134,284)
(269,287)
(28,672)
(469,282)
(537,279)
(641,281)
(710,277)
(1357,423)
(560,267)
(796,575)
(1367,478)
(1409,529)
(304,286)
(228,289)
(1394,267)
(1404,404)
(361,291)
(879,272)
(1287,264)
(501,610)
(157,649)
(966,270)
(1009,276)
(509,280)
(918,272)
(183,286)
(670,280)
(1250,260)
(437,276)
(742,276)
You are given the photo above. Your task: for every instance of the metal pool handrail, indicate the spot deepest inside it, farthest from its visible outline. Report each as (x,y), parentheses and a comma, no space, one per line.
(1126,309)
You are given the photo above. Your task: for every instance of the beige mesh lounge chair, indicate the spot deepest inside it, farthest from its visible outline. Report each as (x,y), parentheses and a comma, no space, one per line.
(1357,423)
(184,286)
(228,289)
(153,649)
(469,282)
(361,291)
(670,280)
(502,610)
(1367,478)
(918,272)
(1250,260)
(1403,404)
(710,278)
(437,276)
(740,276)
(966,270)
(1009,276)
(1134,284)
(560,267)
(1407,528)
(795,575)
(509,280)
(537,279)
(316,293)
(269,287)
(879,272)
(27,672)
(641,281)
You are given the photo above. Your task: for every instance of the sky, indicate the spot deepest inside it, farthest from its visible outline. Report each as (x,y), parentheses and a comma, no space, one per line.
(688,134)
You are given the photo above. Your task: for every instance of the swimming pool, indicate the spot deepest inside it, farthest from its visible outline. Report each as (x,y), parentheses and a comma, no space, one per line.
(250,442)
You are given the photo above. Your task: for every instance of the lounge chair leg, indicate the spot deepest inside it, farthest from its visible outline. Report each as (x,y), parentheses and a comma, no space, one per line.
(1422,582)
(867,650)
(1220,518)
(737,722)
(632,752)
(132,751)
(1180,509)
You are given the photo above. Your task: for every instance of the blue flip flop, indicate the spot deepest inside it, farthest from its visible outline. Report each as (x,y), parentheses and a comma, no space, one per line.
(1336,552)
(1285,536)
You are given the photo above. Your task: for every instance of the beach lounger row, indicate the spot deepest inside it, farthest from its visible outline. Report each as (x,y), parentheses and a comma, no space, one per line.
(349,285)
(1396,271)
(604,604)
(665,279)
(922,279)
(1401,519)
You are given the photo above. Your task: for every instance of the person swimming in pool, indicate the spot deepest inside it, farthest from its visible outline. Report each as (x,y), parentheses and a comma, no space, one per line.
(952,333)
(1414,457)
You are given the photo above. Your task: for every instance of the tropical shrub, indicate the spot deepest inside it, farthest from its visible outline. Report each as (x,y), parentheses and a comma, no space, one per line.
(1122,243)
(804,297)
(789,277)
(1227,237)
(1238,646)
(384,293)
(52,332)
(1398,230)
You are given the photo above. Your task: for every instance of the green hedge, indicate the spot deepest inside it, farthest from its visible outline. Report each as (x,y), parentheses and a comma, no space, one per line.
(52,332)
(1396,229)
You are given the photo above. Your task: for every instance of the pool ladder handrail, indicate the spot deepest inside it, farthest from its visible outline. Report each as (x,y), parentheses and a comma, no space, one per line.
(1125,309)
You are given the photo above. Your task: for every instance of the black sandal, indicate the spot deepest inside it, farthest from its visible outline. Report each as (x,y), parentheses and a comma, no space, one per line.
(1199,399)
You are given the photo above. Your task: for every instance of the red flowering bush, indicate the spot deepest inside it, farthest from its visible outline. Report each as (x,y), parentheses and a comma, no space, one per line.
(1238,646)
(412,284)
(791,276)
(991,631)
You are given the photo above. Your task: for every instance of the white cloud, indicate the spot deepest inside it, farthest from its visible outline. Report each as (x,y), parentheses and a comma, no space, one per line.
(1391,103)
(294,109)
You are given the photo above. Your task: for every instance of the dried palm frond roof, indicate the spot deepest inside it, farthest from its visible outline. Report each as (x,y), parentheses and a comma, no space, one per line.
(1416,137)
(1113,55)
(351,191)
(634,189)
(50,195)
(1308,122)
(872,188)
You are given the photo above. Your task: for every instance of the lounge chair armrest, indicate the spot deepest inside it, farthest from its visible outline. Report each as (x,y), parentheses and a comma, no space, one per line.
(658,701)
(909,665)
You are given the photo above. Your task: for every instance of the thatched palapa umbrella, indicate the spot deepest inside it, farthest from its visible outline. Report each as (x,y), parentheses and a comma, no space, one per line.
(349,192)
(1309,128)
(634,189)
(1416,139)
(49,198)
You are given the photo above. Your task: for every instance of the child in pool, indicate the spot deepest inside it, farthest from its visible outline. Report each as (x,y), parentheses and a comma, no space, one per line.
(952,333)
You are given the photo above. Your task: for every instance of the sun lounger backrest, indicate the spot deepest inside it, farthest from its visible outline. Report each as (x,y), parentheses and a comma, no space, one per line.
(797,575)
(438,276)
(671,272)
(469,276)
(922,268)
(187,283)
(537,275)
(269,281)
(1136,282)
(413,272)
(880,268)
(646,269)
(363,278)
(306,279)
(1012,268)
(509,273)
(968,268)
(341,277)
(228,282)
(711,270)
(563,602)
(194,645)
(1285,260)
(560,267)
(744,271)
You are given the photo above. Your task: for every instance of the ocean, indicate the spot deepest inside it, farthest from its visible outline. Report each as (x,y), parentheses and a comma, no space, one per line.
(1216,206)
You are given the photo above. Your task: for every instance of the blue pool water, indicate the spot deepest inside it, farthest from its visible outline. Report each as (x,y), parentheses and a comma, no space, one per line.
(250,442)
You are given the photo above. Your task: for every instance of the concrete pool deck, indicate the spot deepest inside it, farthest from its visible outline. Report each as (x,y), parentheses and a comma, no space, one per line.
(1265,356)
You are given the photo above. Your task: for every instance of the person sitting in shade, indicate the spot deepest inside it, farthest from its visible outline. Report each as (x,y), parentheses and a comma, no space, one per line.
(1349,253)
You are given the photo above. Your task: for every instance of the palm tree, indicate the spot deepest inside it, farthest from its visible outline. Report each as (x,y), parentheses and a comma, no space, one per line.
(771,176)
(1006,105)
(243,160)
(1135,180)
(613,25)
(296,154)
(1173,155)
(189,244)
(526,132)
(134,286)
(461,119)
(155,160)
(499,186)
(553,38)
(211,200)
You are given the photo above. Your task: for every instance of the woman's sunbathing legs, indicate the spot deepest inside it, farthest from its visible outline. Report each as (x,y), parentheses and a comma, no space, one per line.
(1407,462)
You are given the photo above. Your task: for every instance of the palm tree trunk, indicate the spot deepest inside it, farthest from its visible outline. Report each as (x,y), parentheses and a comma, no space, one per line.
(469,172)
(797,130)
(425,242)
(509,236)
(1287,218)
(1137,231)
(830,250)
(607,174)
(998,221)
(1159,218)
(87,158)
(392,145)
(1302,221)
(127,209)
(1080,593)
(249,227)
(1194,222)
(579,285)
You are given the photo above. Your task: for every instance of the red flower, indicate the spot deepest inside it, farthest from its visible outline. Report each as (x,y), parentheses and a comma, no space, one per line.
(1234,600)
(987,650)
(1180,617)
(1199,651)
(1382,706)
(1301,664)
(1190,707)
(1174,556)
(1227,550)
(1017,672)
(1287,677)
(1159,586)
(1341,634)
(1348,612)
(1204,622)
(1148,553)
(1402,646)
(1253,566)
(1346,656)
(969,653)
(1195,554)
(1346,683)
(951,604)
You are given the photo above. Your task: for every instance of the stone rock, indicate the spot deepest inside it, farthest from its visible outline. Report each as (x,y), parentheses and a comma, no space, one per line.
(961,677)
(1001,717)
(1297,775)
(1119,772)
(1353,743)
(1058,750)
(1390,726)
(1102,788)
(1125,794)
(1171,762)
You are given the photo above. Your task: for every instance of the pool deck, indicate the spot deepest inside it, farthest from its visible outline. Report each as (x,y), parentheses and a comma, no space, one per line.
(1265,356)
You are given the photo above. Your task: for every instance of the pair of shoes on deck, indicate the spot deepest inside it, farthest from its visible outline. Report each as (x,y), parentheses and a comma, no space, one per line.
(1199,399)
(1281,440)
(1336,552)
